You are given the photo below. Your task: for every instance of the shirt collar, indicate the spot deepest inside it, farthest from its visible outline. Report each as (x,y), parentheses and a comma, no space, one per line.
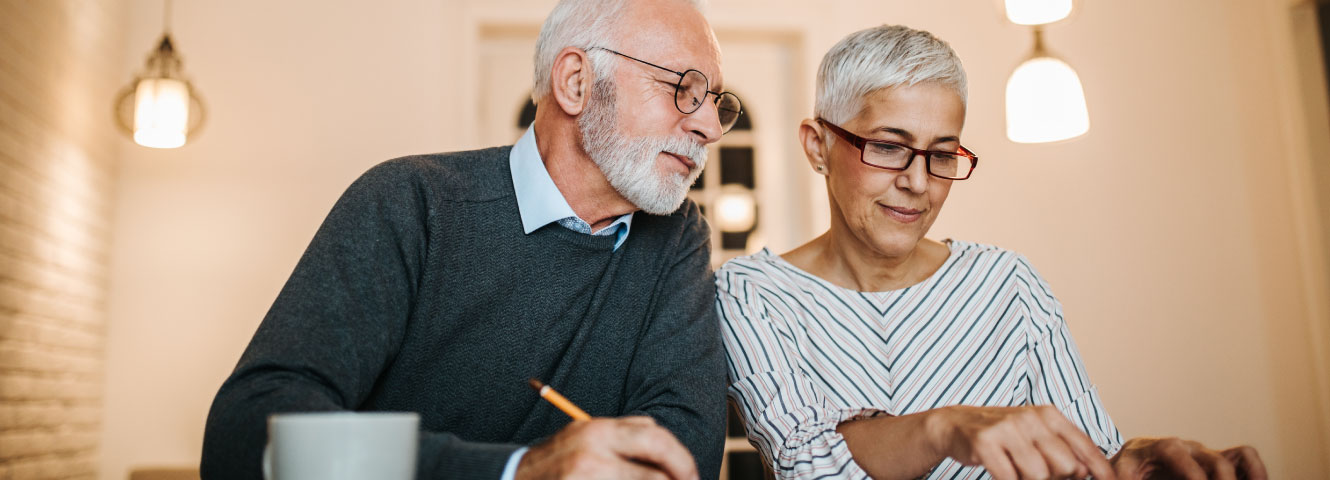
(539,201)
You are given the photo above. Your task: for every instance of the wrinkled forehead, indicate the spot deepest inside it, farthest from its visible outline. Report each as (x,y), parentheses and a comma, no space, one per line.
(672,34)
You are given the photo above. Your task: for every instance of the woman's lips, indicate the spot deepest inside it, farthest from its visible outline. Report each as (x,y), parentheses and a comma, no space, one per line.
(902,214)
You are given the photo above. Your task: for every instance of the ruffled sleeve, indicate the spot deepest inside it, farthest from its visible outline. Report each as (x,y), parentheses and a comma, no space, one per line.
(790,421)
(1057,375)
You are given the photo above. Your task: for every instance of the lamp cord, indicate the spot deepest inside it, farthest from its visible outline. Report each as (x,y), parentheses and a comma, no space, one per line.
(166,17)
(1039,49)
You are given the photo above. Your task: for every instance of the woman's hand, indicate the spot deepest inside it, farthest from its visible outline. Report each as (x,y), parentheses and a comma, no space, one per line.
(1016,442)
(1175,458)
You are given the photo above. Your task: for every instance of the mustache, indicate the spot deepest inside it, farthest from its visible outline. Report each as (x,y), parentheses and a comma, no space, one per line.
(691,149)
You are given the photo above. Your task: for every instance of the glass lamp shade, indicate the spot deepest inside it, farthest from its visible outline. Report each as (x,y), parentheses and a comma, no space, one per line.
(1045,102)
(161,112)
(736,210)
(1037,12)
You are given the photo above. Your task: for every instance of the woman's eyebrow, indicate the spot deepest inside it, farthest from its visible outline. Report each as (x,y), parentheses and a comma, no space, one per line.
(895,131)
(909,137)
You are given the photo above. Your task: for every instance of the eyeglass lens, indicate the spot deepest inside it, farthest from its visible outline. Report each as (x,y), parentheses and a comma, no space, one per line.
(692,91)
(896,157)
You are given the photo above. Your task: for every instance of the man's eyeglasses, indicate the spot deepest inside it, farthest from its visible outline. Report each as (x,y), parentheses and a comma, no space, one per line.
(896,156)
(692,89)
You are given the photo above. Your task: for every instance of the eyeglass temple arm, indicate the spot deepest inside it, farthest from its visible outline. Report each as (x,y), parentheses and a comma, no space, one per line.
(680,74)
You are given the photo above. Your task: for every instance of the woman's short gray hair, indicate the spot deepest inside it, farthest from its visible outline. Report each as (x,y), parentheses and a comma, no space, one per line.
(583,24)
(881,57)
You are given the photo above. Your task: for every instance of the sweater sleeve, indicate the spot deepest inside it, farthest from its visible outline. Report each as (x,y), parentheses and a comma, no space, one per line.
(1057,375)
(336,325)
(790,420)
(678,372)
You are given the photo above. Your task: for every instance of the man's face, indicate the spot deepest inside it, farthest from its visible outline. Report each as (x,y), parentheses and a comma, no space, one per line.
(648,150)
(631,164)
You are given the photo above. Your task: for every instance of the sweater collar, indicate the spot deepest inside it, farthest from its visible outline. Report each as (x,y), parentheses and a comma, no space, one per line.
(539,201)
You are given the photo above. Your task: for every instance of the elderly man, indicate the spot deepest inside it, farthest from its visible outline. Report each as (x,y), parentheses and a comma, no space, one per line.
(440,283)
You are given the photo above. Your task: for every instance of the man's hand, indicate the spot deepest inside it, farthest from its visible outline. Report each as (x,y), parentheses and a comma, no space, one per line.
(626,448)
(1018,442)
(1174,458)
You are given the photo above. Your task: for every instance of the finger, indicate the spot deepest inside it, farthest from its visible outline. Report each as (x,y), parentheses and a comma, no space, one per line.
(1177,458)
(995,460)
(641,420)
(1126,466)
(657,446)
(1248,462)
(1218,467)
(1028,460)
(1084,449)
(1062,463)
(632,470)
(1090,456)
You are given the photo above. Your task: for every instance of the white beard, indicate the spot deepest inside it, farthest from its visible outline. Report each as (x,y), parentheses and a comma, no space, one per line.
(630,163)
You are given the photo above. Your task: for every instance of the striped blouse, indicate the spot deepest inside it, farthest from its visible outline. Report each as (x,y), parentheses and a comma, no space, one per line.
(805,355)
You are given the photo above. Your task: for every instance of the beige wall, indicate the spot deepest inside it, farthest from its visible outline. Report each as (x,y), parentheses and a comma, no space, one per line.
(1178,233)
(59,68)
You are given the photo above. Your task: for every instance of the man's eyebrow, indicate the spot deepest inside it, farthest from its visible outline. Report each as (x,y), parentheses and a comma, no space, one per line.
(909,137)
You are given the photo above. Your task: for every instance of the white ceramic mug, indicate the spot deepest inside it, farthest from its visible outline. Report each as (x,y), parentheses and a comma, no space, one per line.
(341,446)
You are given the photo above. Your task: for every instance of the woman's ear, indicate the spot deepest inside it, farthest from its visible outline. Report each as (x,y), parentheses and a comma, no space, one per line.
(570,80)
(810,137)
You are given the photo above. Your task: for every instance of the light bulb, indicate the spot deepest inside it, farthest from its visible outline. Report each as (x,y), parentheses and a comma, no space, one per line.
(161,113)
(1037,12)
(1045,102)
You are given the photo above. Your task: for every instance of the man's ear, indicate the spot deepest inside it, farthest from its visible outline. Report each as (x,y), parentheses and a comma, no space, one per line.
(810,138)
(570,80)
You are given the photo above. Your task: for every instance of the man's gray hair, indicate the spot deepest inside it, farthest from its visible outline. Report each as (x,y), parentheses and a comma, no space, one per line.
(882,57)
(583,24)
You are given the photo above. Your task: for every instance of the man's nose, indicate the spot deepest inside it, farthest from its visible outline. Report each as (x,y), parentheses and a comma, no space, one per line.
(704,123)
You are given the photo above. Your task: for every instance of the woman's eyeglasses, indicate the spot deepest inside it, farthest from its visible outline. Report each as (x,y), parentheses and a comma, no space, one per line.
(897,156)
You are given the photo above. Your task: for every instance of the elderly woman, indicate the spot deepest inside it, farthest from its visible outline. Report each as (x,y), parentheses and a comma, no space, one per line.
(873,351)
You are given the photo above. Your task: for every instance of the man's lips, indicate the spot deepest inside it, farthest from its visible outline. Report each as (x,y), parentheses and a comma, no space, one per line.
(682,159)
(902,214)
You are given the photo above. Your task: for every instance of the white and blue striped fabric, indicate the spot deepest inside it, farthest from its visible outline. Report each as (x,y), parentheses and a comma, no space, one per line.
(805,354)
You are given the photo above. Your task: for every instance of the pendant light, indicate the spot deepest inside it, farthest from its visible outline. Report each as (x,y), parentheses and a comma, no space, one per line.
(1045,100)
(1037,12)
(160,108)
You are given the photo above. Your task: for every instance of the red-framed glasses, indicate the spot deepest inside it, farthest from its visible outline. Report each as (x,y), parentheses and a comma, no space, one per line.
(897,156)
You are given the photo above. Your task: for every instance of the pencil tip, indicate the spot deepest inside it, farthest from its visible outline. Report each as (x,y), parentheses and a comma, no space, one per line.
(535,384)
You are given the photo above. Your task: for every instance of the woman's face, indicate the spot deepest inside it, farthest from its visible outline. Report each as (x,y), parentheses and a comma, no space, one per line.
(890,211)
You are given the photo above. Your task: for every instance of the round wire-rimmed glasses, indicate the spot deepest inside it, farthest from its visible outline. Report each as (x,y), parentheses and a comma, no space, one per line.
(897,156)
(692,89)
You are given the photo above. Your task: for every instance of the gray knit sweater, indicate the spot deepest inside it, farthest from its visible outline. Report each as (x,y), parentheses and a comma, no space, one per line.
(421,293)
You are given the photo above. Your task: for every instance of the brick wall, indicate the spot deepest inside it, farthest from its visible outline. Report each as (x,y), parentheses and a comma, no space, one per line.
(60,67)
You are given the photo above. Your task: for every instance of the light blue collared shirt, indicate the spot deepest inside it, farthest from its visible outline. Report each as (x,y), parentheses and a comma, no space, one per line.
(510,468)
(539,201)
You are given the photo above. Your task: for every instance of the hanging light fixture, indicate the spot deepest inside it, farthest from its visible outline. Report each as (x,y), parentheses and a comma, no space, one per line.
(1037,12)
(160,108)
(1045,100)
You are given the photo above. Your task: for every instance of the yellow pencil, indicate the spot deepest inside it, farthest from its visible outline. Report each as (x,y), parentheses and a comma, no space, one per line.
(559,401)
